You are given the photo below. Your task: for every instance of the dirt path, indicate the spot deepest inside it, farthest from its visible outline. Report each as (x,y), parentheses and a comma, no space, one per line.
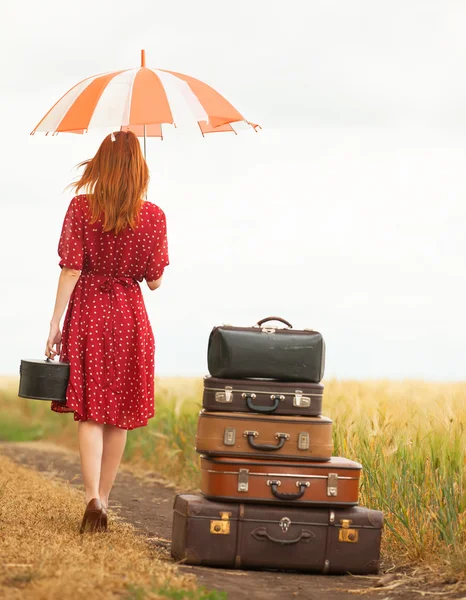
(147,504)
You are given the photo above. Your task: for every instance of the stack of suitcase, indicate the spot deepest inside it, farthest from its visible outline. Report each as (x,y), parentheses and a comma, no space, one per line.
(274,497)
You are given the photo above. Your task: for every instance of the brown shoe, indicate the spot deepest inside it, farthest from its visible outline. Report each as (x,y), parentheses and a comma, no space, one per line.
(103,519)
(92,516)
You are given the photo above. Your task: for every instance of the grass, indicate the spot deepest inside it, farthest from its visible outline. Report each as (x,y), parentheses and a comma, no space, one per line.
(43,557)
(409,436)
(138,593)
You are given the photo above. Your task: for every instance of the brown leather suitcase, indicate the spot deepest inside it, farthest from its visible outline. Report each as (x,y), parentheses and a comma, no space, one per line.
(332,483)
(256,436)
(263,396)
(248,536)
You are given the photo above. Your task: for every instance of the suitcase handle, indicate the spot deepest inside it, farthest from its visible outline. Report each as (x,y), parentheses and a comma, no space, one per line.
(262,321)
(282,437)
(261,532)
(302,488)
(262,409)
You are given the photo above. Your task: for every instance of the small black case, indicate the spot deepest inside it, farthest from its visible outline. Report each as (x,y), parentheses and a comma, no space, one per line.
(43,380)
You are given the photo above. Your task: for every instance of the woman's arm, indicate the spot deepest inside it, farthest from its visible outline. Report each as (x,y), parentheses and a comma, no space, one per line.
(153,285)
(66,284)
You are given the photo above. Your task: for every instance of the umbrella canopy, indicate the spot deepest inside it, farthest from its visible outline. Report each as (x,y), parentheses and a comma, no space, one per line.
(141,100)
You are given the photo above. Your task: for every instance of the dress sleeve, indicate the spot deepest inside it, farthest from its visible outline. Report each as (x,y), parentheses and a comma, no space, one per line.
(158,259)
(70,246)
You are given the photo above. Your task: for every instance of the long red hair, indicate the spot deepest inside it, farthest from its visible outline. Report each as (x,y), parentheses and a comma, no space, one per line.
(115,181)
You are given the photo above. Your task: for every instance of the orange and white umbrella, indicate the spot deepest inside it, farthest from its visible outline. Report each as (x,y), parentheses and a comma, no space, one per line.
(141,100)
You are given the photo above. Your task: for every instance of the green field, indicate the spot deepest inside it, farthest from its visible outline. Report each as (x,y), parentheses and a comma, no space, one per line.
(409,436)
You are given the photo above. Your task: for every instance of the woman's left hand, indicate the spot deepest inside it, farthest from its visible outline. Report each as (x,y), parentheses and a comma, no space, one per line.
(54,339)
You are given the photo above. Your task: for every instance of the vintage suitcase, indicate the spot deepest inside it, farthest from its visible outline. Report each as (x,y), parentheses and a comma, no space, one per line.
(259,436)
(263,396)
(284,354)
(332,483)
(43,380)
(248,536)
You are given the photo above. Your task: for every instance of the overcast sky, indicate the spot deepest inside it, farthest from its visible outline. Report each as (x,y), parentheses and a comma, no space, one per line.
(346,213)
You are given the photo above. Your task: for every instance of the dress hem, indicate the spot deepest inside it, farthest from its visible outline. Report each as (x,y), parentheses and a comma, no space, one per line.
(80,418)
(67,407)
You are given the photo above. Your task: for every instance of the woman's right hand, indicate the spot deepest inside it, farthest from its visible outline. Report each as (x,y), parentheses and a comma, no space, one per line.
(54,339)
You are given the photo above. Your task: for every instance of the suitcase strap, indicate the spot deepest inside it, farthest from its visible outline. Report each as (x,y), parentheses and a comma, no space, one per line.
(282,437)
(303,485)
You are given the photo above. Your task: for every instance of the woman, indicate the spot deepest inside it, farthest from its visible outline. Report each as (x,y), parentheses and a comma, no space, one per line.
(111,240)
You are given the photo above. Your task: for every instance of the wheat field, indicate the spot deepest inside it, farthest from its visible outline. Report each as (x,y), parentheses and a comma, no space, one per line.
(410,437)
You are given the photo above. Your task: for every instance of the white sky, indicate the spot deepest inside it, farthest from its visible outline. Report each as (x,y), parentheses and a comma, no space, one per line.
(346,213)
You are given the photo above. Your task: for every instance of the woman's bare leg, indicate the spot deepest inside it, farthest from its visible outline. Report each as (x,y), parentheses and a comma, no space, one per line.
(114,445)
(90,438)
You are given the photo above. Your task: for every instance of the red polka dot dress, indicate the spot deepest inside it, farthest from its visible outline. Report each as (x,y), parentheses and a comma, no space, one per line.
(107,337)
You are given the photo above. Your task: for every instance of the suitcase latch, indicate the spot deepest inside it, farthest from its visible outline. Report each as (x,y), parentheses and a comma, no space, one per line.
(285,524)
(221,527)
(300,400)
(268,330)
(303,441)
(346,534)
(229,437)
(226,396)
(243,480)
(332,484)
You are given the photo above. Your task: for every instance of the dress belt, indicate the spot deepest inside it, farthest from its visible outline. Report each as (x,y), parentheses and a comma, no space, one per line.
(108,281)
(109,284)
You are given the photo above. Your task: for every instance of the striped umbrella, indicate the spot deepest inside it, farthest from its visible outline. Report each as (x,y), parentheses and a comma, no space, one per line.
(141,100)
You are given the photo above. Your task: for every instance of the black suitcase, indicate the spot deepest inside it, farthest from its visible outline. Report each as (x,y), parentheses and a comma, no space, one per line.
(283,354)
(247,536)
(263,396)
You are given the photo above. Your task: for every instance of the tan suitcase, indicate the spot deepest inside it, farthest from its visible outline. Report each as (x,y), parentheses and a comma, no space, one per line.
(333,483)
(256,436)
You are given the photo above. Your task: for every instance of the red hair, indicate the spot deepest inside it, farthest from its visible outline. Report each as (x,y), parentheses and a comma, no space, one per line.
(115,181)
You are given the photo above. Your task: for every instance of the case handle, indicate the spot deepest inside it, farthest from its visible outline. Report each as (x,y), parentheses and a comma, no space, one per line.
(282,437)
(262,409)
(261,532)
(262,321)
(302,488)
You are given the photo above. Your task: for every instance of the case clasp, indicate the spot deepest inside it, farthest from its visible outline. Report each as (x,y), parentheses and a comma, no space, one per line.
(303,441)
(226,396)
(346,534)
(221,527)
(332,484)
(243,480)
(300,400)
(229,437)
